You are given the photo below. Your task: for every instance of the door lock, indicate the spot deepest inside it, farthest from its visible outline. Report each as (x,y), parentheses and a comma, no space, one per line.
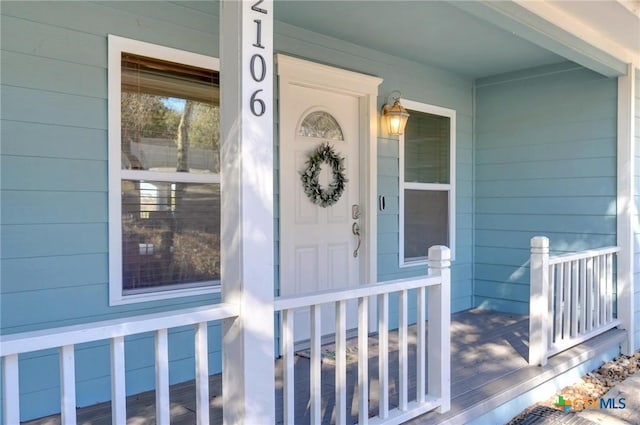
(355,211)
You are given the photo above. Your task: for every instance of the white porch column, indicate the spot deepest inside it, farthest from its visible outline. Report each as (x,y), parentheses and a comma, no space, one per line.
(246,153)
(626,205)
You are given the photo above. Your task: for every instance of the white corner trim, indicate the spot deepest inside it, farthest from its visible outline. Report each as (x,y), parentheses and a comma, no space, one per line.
(450,187)
(625,205)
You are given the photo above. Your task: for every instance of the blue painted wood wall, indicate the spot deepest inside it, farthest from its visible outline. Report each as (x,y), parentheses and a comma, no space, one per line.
(54,176)
(545,165)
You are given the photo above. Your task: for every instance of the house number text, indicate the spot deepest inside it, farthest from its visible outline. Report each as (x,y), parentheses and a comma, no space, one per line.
(258,65)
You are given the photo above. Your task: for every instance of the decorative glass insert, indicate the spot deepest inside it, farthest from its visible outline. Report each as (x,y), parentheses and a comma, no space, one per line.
(321,125)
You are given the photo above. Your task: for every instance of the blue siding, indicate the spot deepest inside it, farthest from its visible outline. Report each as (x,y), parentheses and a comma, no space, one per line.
(54,187)
(420,83)
(545,165)
(54,176)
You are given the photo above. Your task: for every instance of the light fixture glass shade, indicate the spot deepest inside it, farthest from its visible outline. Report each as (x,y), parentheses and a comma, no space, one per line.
(396,117)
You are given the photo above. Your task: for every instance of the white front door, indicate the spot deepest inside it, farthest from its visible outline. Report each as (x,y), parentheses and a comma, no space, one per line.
(317,243)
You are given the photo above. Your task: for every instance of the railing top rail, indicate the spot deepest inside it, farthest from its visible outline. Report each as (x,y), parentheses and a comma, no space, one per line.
(372,289)
(573,256)
(76,334)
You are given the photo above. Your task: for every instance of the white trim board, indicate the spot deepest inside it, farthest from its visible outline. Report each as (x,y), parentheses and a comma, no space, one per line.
(117,45)
(450,187)
(625,205)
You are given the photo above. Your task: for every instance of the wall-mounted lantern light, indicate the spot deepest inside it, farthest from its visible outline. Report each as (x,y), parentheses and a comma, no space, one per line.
(395,115)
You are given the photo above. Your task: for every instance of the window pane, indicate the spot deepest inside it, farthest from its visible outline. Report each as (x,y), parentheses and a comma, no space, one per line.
(321,125)
(426,148)
(426,221)
(170,233)
(170,116)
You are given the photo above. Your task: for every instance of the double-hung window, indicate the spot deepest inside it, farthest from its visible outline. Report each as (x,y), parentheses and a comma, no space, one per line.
(427,181)
(164,178)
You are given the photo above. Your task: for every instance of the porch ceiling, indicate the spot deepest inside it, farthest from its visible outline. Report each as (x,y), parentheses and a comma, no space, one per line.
(478,39)
(428,32)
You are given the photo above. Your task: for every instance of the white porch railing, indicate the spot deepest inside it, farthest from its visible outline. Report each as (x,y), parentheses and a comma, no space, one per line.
(65,338)
(571,298)
(433,385)
(432,377)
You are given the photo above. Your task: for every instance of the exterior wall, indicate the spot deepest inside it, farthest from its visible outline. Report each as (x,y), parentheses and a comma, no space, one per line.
(423,84)
(54,186)
(636,219)
(54,176)
(545,165)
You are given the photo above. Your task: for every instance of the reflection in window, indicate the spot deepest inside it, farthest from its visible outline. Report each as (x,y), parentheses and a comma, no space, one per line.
(170,233)
(320,125)
(170,116)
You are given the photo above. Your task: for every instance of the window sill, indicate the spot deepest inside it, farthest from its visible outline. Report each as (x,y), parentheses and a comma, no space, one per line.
(144,296)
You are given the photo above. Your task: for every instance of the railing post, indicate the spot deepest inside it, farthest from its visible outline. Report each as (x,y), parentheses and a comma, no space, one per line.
(538,301)
(439,332)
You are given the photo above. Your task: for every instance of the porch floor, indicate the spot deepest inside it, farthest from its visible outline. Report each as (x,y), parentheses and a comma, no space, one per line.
(488,365)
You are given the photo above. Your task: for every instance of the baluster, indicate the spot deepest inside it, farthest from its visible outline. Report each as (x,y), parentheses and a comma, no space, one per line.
(118,382)
(566,310)
(403,351)
(67,385)
(550,312)
(341,362)
(559,302)
(597,280)
(559,271)
(202,373)
(609,259)
(10,390)
(288,360)
(574,298)
(163,414)
(583,297)
(316,366)
(421,346)
(363,360)
(383,354)
(590,294)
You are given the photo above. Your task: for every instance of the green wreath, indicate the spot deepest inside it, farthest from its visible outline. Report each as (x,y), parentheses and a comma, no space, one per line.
(318,195)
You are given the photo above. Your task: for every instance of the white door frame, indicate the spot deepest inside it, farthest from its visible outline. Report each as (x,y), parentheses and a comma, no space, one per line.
(365,88)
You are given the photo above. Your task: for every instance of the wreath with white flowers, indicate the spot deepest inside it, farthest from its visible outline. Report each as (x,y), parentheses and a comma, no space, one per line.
(319,196)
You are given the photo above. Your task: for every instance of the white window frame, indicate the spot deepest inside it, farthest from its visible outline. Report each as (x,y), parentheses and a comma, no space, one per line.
(450,187)
(117,45)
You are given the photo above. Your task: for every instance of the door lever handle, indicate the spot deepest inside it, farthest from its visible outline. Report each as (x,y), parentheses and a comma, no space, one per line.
(355,228)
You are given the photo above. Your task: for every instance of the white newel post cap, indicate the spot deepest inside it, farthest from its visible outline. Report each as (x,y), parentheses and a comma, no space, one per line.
(540,244)
(439,257)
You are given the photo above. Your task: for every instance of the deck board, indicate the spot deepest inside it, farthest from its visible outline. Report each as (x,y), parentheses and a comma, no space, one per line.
(488,355)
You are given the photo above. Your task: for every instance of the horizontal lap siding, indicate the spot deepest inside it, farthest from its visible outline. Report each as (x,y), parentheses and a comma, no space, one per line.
(54,175)
(636,218)
(419,83)
(54,187)
(545,165)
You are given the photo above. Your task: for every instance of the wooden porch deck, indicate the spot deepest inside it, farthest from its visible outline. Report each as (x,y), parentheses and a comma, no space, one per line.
(488,363)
